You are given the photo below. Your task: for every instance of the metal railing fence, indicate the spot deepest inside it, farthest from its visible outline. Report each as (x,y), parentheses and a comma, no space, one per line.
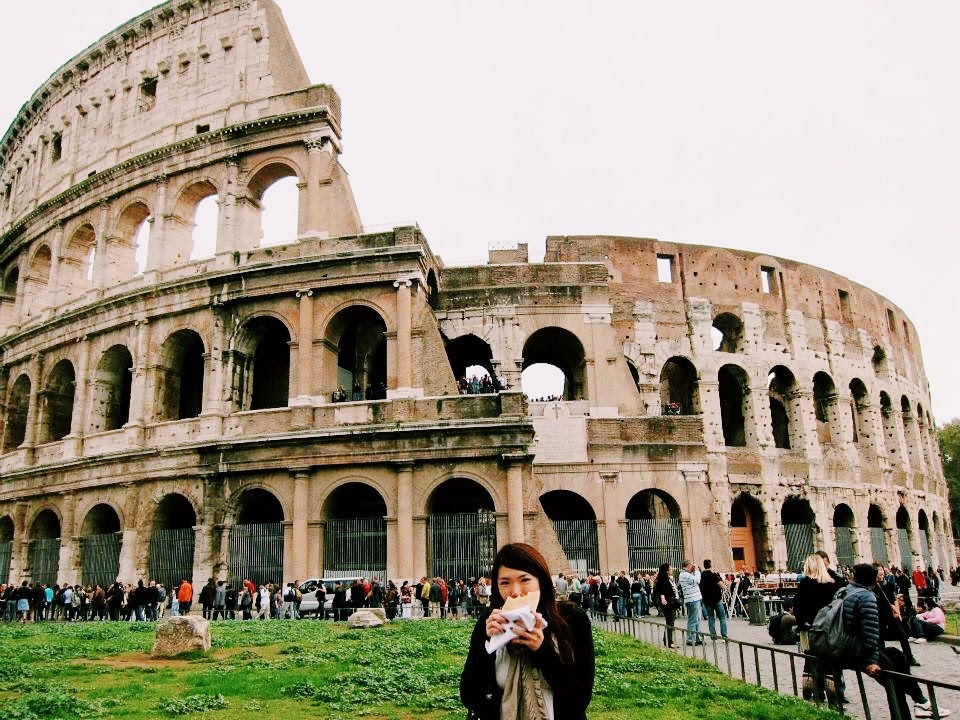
(782,669)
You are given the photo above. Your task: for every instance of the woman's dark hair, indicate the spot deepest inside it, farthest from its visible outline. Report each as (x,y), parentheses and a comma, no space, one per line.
(526,558)
(663,569)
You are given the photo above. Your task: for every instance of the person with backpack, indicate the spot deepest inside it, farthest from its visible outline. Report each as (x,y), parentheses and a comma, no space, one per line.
(866,651)
(814,592)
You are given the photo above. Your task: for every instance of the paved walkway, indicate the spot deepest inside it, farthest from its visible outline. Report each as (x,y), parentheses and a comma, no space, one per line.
(759,661)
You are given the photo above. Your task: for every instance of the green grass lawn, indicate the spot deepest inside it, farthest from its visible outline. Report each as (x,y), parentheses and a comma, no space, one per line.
(406,670)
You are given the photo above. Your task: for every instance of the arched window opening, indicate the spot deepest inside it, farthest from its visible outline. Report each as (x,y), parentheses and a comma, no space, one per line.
(748,535)
(77,263)
(204,235)
(926,557)
(543,382)
(564,351)
(110,394)
(679,389)
(878,538)
(798,519)
(575,523)
(6,547)
(172,541)
(727,333)
(859,409)
(461,530)
(904,539)
(279,211)
(43,551)
(355,538)
(471,360)
(825,408)
(100,540)
(843,527)
(359,335)
(634,373)
(256,538)
(180,376)
(10,281)
(782,389)
(16,426)
(262,365)
(58,401)
(433,289)
(654,531)
(36,281)
(879,360)
(128,251)
(142,246)
(733,387)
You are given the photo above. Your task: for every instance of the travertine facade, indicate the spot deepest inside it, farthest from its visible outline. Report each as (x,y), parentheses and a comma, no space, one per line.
(289,411)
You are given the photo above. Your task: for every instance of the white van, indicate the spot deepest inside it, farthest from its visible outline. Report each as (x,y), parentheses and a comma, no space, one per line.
(308,591)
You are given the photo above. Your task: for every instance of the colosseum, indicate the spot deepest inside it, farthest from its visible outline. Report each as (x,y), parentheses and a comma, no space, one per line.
(300,409)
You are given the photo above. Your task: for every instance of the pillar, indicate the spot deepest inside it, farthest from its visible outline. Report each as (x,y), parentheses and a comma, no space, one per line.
(404,545)
(67,570)
(155,248)
(53,280)
(404,336)
(21,543)
(305,345)
(310,191)
(30,432)
(81,389)
(138,383)
(515,498)
(301,509)
(100,279)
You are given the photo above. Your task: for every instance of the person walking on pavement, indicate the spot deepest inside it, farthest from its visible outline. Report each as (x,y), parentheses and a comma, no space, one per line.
(690,589)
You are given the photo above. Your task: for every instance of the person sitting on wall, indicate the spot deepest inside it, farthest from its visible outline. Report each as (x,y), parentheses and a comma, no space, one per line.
(783,627)
(928,623)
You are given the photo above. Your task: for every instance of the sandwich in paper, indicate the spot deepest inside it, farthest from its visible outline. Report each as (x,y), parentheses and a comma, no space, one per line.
(519,613)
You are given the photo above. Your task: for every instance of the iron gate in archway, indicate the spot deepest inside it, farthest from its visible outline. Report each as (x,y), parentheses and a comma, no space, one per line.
(6,552)
(878,544)
(355,546)
(906,555)
(171,556)
(578,538)
(799,545)
(256,552)
(654,542)
(100,558)
(461,545)
(845,555)
(44,554)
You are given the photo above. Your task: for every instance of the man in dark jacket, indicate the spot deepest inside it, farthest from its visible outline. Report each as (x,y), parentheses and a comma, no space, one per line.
(861,621)
(711,587)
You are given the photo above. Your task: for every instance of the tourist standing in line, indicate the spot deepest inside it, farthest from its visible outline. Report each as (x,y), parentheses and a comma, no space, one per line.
(665,596)
(185,596)
(690,589)
(711,588)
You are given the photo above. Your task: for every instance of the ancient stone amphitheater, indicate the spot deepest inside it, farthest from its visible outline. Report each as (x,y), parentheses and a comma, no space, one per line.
(297,410)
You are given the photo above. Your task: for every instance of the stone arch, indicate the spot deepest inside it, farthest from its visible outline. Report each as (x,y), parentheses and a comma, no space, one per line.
(43,551)
(58,401)
(727,333)
(184,238)
(261,364)
(77,260)
(748,534)
(679,387)
(826,408)
(6,547)
(276,178)
(466,354)
(799,526)
(36,282)
(172,540)
(575,524)
(355,536)
(563,350)
(180,375)
(925,541)
(876,524)
(734,388)
(844,530)
(11,278)
(904,539)
(654,530)
(859,409)
(127,249)
(256,537)
(110,393)
(782,390)
(355,359)
(100,541)
(461,529)
(15,427)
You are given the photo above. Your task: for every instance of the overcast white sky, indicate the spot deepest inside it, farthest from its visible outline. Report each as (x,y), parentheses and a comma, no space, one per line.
(823,132)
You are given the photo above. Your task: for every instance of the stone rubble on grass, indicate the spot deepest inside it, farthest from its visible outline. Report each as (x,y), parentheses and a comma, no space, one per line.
(182,634)
(367,618)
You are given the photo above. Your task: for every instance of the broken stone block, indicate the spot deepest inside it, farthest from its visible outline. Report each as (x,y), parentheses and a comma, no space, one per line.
(365,619)
(179,635)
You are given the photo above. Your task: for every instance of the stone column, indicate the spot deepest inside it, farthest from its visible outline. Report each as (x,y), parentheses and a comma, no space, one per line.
(229,227)
(806,420)
(301,511)
(155,255)
(53,280)
(216,372)
(21,543)
(404,548)
(310,191)
(404,336)
(100,279)
(128,547)
(305,346)
(515,465)
(67,570)
(33,409)
(81,387)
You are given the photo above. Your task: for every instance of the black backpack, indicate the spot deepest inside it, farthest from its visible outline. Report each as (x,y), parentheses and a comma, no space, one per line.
(828,639)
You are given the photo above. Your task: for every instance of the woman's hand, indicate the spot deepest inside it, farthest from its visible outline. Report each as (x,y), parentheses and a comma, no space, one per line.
(495,623)
(531,639)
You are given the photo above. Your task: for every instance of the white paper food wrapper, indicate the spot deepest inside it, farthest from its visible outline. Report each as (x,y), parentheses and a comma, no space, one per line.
(515,618)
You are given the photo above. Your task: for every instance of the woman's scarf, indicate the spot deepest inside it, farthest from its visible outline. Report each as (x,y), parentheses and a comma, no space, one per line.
(523,697)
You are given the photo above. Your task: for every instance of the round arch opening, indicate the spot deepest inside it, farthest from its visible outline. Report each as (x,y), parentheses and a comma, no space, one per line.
(256,538)
(654,531)
(355,537)
(797,518)
(461,530)
(563,350)
(43,551)
(575,524)
(100,542)
(172,541)
(748,534)
(359,335)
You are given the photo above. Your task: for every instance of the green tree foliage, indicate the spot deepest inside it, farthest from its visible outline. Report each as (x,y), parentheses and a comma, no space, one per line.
(950,456)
